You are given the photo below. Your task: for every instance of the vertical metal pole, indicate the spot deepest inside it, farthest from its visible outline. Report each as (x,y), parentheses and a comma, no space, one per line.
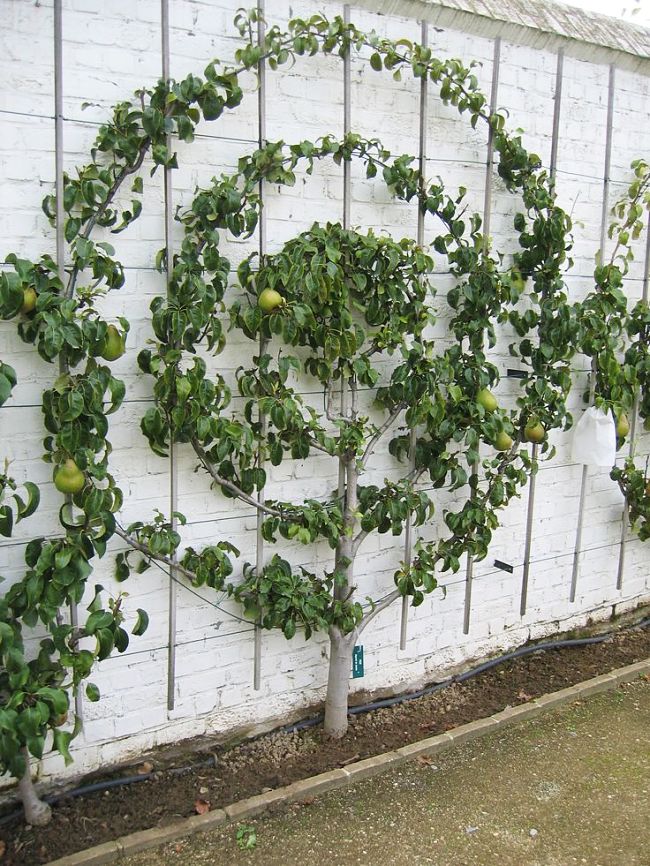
(592,386)
(261,130)
(608,160)
(487,211)
(259,541)
(58,133)
(173,457)
(261,124)
(422,160)
(578,542)
(559,79)
(347,198)
(60,223)
(422,156)
(530,513)
(645,294)
(489,166)
(633,425)
(347,124)
(534,449)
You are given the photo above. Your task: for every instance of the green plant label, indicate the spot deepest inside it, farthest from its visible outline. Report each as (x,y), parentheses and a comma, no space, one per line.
(357,662)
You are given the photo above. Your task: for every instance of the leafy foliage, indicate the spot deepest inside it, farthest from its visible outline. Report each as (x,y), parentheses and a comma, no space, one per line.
(635,486)
(278,597)
(21,508)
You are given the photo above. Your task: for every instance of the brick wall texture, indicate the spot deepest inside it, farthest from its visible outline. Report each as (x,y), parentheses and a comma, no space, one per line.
(109,50)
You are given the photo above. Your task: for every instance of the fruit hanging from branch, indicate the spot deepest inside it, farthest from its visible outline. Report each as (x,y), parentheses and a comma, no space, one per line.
(114,344)
(622,425)
(68,478)
(534,432)
(29,301)
(503,442)
(270,300)
(487,400)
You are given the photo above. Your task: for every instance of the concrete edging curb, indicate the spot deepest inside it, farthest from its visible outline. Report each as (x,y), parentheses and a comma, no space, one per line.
(110,852)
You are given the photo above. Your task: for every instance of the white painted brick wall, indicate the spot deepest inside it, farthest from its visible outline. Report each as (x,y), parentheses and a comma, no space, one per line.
(110,50)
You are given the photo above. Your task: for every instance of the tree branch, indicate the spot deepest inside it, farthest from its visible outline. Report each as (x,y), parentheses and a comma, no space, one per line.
(329,400)
(395,594)
(354,393)
(223,482)
(378,608)
(414,475)
(159,557)
(358,541)
(315,444)
(101,210)
(380,432)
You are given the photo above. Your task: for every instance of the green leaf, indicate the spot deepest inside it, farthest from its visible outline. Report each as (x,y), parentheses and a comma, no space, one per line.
(61,743)
(105,643)
(96,603)
(6,385)
(11,297)
(6,521)
(100,619)
(34,497)
(152,121)
(72,227)
(141,623)
(92,692)
(121,640)
(35,745)
(211,104)
(58,698)
(122,570)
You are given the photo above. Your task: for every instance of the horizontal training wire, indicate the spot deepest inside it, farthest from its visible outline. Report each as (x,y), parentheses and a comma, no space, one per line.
(96,124)
(441,273)
(551,557)
(135,401)
(206,638)
(569,274)
(165,648)
(369,606)
(254,141)
(247,512)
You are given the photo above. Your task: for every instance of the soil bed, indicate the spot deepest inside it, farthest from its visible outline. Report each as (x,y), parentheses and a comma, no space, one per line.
(280,758)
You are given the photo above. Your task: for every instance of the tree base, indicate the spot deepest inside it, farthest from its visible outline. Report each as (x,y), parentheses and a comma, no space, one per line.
(335,725)
(36,811)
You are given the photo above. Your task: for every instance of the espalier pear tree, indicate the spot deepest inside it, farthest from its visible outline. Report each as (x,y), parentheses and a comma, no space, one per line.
(345,309)
(346,302)
(617,339)
(325,310)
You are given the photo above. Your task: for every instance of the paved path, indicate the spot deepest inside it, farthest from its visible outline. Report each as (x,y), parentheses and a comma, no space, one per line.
(570,787)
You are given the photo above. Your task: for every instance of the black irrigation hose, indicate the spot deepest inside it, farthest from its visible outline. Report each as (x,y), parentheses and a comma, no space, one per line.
(80,792)
(459,678)
(353,711)
(97,787)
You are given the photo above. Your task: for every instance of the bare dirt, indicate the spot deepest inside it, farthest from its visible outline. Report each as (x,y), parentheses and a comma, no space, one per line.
(213,779)
(556,790)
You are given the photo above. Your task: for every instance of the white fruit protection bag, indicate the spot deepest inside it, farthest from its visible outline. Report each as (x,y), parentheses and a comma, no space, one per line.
(594,439)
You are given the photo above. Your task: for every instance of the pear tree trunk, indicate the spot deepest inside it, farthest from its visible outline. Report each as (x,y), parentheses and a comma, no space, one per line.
(341,645)
(37,812)
(338,682)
